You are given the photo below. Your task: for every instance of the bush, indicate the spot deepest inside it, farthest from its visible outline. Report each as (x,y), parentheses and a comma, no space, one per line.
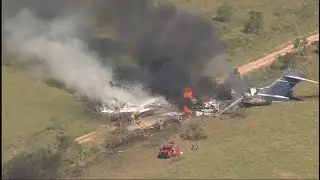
(254,25)
(193,132)
(284,62)
(224,13)
(46,163)
(121,136)
(39,164)
(300,45)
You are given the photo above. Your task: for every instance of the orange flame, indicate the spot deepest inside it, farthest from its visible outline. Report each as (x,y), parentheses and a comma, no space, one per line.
(187,110)
(188,94)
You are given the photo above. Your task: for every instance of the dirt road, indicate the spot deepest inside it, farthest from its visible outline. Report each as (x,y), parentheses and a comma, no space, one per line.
(102,130)
(244,69)
(270,58)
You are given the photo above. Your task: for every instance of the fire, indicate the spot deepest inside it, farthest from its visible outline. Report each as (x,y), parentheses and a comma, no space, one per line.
(188,94)
(187,110)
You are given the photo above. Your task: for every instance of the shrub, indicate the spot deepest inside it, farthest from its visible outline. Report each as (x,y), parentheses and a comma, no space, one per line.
(45,163)
(254,24)
(224,13)
(300,45)
(193,132)
(122,136)
(41,163)
(284,62)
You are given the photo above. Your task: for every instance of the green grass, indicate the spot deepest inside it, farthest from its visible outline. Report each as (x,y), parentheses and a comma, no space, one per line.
(277,141)
(280,141)
(283,21)
(29,107)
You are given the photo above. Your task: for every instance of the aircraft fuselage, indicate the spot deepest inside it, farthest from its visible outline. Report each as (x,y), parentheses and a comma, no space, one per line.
(256,101)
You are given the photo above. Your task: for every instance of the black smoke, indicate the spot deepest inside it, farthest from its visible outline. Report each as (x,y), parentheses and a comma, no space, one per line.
(172,47)
(169,48)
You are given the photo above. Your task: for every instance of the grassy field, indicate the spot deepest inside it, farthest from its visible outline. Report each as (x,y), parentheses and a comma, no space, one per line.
(280,141)
(32,113)
(283,21)
(277,141)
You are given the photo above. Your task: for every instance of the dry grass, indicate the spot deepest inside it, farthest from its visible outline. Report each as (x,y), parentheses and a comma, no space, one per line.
(283,21)
(280,141)
(277,141)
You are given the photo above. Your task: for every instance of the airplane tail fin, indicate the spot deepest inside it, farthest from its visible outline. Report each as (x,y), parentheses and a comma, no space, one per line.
(293,77)
(281,89)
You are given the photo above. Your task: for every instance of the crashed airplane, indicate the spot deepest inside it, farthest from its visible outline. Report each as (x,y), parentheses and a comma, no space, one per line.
(281,90)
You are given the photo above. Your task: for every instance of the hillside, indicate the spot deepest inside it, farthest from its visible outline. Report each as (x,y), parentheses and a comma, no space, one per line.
(282,22)
(278,141)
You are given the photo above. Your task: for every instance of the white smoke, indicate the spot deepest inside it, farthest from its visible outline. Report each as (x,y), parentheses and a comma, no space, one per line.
(62,55)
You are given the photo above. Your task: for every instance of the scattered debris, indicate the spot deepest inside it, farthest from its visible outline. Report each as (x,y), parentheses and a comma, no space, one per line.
(155,114)
(194,147)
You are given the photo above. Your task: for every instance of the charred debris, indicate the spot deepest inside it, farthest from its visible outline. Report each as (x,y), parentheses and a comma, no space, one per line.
(157,113)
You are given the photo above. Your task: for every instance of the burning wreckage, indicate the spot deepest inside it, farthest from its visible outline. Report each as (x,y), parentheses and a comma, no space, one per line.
(156,113)
(159,112)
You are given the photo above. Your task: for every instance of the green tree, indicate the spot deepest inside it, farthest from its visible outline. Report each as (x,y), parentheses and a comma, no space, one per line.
(224,13)
(254,24)
(42,163)
(284,62)
(45,163)
(300,44)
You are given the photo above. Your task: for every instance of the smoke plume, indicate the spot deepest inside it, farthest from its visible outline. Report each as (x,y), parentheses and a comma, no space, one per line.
(172,47)
(168,48)
(54,49)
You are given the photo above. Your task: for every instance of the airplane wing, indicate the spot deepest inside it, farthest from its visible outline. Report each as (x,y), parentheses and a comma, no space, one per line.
(236,102)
